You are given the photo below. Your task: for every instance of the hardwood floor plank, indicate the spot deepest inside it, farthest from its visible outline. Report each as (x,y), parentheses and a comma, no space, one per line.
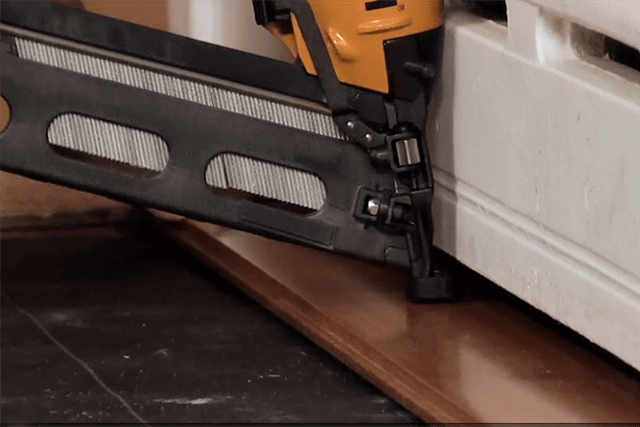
(26,205)
(478,360)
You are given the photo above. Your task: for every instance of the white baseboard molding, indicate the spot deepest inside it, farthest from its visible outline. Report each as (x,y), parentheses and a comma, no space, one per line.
(572,285)
(537,157)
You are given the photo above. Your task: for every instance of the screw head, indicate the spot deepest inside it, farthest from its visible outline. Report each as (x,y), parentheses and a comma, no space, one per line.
(368,137)
(351,124)
(373,207)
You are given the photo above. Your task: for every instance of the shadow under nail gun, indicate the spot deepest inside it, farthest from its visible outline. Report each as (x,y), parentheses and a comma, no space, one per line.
(328,152)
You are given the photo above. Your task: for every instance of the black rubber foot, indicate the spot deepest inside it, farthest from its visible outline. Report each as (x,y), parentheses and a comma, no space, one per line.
(438,288)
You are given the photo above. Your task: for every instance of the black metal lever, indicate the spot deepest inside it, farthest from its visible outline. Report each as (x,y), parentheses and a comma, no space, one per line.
(337,94)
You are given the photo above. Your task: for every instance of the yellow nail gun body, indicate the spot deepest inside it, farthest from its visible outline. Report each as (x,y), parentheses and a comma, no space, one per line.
(355,32)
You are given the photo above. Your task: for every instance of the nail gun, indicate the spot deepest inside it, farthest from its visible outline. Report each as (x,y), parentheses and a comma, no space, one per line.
(327,152)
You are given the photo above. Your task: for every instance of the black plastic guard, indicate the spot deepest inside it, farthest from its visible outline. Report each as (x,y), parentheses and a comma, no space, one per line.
(194,134)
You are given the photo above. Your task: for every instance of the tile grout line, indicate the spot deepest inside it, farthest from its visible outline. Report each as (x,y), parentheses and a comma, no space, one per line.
(84,365)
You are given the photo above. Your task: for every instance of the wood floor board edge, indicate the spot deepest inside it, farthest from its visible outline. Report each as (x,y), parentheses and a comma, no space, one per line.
(292,309)
(60,223)
(479,360)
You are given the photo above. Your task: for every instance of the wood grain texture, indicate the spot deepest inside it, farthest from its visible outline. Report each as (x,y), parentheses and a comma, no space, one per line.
(479,360)
(5,114)
(30,204)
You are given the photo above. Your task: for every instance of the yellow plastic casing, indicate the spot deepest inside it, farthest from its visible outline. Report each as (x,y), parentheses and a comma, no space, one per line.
(355,36)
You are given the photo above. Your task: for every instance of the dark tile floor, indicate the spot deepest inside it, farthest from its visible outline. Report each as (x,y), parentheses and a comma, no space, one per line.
(176,342)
